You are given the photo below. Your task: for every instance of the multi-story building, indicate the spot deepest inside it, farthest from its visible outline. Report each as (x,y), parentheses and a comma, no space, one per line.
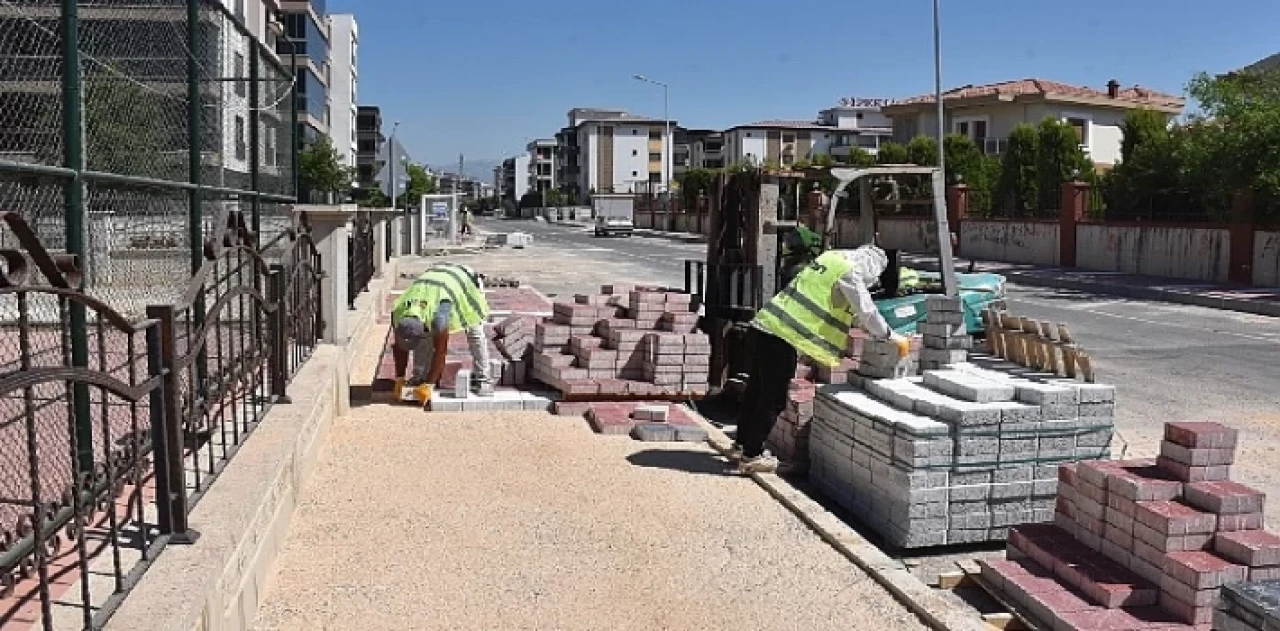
(393,150)
(307,37)
(542,164)
(343,85)
(706,148)
(617,151)
(369,145)
(853,123)
(515,180)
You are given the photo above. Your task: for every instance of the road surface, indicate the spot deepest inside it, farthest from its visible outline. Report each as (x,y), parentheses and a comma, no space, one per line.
(1169,362)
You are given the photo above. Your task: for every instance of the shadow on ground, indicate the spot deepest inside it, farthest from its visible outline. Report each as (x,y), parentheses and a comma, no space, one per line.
(701,462)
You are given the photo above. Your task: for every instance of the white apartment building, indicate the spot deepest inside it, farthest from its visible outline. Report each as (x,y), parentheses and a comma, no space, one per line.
(542,164)
(344,40)
(853,123)
(618,152)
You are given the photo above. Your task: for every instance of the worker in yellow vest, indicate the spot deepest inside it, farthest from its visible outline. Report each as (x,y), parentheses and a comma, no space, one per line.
(451,299)
(811,316)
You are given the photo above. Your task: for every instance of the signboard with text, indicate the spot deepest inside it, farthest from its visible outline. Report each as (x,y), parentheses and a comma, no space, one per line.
(439,210)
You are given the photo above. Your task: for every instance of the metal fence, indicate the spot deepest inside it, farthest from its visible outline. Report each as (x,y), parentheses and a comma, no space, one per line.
(360,255)
(155,295)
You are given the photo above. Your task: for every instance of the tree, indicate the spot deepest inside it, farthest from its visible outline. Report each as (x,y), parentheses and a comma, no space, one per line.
(1231,143)
(860,157)
(127,131)
(824,160)
(891,153)
(1059,159)
(420,182)
(321,170)
(1018,182)
(923,151)
(694,183)
(966,163)
(375,198)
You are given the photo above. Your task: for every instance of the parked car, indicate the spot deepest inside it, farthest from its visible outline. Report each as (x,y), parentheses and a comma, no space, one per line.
(606,226)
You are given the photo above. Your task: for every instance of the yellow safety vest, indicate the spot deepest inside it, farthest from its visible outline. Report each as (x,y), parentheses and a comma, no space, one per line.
(908,279)
(444,282)
(805,315)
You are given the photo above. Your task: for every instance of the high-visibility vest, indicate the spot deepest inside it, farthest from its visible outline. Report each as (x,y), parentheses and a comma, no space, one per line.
(444,282)
(805,315)
(908,279)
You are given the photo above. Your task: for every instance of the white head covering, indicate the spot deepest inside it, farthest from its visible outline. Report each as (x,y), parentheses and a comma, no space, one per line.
(869,262)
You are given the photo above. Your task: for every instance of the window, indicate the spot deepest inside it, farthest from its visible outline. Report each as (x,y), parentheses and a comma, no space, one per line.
(973,128)
(635,132)
(240,143)
(748,134)
(240,75)
(655,177)
(240,10)
(655,157)
(635,174)
(1081,126)
(788,138)
(655,134)
(635,153)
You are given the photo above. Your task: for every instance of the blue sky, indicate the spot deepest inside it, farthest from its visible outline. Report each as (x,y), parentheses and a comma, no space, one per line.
(483,77)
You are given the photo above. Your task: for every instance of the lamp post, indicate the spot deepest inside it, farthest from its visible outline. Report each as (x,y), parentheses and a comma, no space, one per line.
(947,264)
(667,150)
(392,156)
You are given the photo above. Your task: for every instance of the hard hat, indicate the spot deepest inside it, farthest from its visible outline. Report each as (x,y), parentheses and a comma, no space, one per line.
(801,239)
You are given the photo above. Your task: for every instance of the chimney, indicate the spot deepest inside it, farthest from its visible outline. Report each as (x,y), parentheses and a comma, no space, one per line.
(1113,88)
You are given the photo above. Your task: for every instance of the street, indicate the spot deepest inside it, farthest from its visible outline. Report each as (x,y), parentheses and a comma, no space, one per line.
(1169,362)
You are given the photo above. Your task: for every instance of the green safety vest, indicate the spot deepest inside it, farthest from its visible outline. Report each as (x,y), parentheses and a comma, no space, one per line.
(443,282)
(805,315)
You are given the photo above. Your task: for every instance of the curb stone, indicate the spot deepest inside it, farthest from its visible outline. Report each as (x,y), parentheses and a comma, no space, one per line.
(920,599)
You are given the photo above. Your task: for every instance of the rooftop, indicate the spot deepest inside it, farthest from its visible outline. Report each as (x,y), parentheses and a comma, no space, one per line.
(1134,96)
(809,125)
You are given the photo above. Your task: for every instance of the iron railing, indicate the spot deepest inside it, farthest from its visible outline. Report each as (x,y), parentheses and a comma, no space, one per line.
(103,458)
(359,256)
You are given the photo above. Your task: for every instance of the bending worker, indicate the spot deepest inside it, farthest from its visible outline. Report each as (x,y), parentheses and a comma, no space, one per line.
(447,298)
(799,248)
(811,316)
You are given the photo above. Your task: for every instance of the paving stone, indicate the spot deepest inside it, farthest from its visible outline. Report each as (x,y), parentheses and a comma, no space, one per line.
(1253,548)
(1196,457)
(1201,435)
(1188,473)
(1224,497)
(653,432)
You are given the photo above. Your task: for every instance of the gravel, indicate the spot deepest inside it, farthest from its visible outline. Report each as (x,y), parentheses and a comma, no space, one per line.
(524,520)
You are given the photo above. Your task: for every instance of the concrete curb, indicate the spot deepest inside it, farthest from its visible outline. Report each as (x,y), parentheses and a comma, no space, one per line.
(920,599)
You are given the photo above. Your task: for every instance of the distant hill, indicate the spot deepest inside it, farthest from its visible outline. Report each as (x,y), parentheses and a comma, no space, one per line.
(479,169)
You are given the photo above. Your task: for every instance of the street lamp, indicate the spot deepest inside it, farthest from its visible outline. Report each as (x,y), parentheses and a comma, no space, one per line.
(947,264)
(392,183)
(667,149)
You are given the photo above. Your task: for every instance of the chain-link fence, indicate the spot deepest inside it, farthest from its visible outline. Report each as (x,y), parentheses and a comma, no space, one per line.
(147,186)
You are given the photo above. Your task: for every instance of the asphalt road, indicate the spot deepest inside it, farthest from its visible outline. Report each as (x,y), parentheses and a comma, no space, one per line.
(1169,361)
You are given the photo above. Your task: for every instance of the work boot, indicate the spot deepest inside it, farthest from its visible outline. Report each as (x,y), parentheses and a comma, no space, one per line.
(764,463)
(484,388)
(735,452)
(397,391)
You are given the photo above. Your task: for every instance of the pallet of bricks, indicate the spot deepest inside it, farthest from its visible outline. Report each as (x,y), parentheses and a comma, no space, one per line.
(1249,607)
(622,343)
(957,455)
(1142,544)
(789,439)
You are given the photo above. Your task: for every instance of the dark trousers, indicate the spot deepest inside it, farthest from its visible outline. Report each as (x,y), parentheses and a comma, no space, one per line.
(771,365)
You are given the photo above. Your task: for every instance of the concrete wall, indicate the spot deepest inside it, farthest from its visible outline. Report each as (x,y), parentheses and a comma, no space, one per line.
(910,235)
(1174,252)
(1010,241)
(1266,258)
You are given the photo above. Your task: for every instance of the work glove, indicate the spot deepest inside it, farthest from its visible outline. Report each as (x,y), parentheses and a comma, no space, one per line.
(903,344)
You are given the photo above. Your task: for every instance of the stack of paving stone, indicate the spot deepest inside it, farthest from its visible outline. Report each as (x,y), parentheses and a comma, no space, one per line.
(789,439)
(598,347)
(956,456)
(513,337)
(946,338)
(1249,606)
(878,359)
(1139,543)
(648,421)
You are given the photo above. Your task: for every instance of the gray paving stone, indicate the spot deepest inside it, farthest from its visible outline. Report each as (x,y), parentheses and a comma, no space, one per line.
(654,432)
(690,433)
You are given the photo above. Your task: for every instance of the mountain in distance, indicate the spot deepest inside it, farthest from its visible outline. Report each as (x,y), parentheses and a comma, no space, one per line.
(479,169)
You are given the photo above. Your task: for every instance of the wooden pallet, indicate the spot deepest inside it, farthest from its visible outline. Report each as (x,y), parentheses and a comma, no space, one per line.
(967,575)
(1037,344)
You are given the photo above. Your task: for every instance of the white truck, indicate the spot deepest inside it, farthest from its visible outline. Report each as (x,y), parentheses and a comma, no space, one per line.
(614,214)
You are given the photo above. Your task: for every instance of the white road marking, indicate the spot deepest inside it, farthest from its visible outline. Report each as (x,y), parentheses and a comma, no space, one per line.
(1093,309)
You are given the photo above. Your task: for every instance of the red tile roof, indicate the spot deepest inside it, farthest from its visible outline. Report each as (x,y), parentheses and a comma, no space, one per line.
(1135,95)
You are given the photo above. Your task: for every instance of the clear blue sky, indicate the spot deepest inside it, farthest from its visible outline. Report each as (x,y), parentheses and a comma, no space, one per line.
(481,76)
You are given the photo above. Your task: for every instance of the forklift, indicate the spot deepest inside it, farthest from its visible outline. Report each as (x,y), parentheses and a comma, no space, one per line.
(750,214)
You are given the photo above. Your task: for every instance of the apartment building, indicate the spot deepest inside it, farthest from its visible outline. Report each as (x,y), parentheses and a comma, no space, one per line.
(615,151)
(369,145)
(706,149)
(307,36)
(542,164)
(853,123)
(515,179)
(343,86)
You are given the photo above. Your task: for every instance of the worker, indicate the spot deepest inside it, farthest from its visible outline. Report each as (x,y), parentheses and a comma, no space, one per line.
(799,248)
(447,298)
(812,316)
(466,220)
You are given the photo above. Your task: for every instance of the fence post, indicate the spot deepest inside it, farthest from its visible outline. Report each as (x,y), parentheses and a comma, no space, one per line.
(1075,205)
(957,209)
(279,366)
(166,426)
(73,217)
(255,156)
(1241,231)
